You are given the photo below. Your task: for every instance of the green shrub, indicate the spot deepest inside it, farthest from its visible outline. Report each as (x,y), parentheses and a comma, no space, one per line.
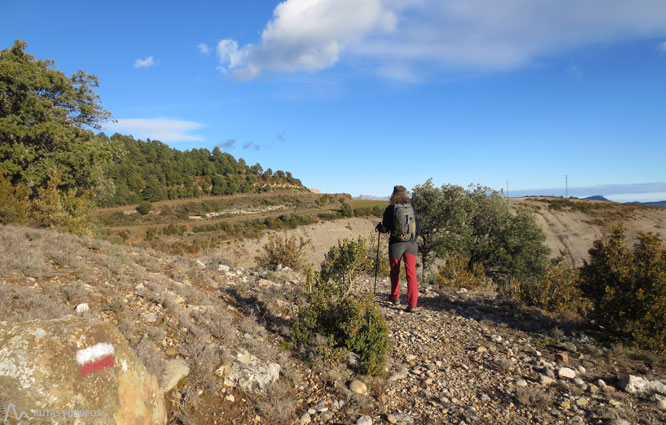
(62,209)
(346,323)
(333,320)
(345,262)
(14,202)
(286,251)
(347,210)
(172,229)
(627,288)
(144,207)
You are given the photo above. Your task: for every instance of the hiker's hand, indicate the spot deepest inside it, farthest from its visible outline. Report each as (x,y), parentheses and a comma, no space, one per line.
(419,240)
(379,227)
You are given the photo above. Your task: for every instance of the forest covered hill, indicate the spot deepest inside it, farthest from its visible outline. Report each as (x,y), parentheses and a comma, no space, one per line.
(152,171)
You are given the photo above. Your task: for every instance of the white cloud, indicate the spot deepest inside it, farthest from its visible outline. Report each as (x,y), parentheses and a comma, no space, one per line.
(306,35)
(146,63)
(162,129)
(662,47)
(309,35)
(204,48)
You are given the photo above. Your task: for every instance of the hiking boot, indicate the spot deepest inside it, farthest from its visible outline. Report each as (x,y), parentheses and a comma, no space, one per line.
(394,300)
(411,309)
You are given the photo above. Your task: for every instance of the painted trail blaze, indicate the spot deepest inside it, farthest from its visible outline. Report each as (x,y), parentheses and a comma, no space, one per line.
(94,358)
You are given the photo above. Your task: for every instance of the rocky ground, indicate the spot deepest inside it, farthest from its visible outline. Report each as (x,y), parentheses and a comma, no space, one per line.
(217,338)
(466,358)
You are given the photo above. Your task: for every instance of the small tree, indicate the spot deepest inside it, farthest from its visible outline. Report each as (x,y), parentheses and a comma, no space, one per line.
(45,122)
(628,288)
(347,210)
(62,209)
(334,315)
(345,262)
(144,207)
(560,288)
(15,206)
(480,225)
(286,251)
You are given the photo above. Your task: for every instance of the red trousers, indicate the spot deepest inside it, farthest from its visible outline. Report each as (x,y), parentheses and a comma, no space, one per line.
(412,283)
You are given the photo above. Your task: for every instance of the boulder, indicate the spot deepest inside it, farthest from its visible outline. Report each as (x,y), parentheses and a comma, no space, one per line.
(661,401)
(174,372)
(657,387)
(75,368)
(634,384)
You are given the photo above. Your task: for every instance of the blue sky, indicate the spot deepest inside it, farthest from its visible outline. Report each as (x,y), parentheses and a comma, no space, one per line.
(359,95)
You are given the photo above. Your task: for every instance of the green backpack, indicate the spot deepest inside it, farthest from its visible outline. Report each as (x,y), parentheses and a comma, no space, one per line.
(404,222)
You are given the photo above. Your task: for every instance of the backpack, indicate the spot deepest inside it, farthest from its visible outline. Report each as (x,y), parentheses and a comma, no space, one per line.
(404,222)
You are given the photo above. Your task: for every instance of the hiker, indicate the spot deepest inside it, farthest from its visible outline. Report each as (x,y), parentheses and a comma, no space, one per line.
(401,222)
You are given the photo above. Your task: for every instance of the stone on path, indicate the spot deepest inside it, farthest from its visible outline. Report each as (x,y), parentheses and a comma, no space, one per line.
(657,387)
(618,422)
(634,384)
(82,308)
(546,380)
(565,372)
(174,372)
(661,401)
(364,420)
(358,387)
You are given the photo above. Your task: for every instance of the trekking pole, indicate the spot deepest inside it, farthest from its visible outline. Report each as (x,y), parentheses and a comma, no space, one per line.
(379,238)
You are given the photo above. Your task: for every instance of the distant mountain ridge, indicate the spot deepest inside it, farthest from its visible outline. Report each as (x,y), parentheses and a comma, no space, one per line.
(654,204)
(650,204)
(598,198)
(589,198)
(374,198)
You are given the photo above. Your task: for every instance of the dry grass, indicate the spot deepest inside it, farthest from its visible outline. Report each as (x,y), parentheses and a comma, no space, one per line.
(19,304)
(279,405)
(191,315)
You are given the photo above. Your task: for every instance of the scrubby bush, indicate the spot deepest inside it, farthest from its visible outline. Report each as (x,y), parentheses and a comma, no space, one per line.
(62,209)
(14,202)
(286,251)
(172,229)
(347,210)
(334,320)
(346,323)
(68,210)
(455,273)
(628,288)
(144,207)
(345,262)
(559,290)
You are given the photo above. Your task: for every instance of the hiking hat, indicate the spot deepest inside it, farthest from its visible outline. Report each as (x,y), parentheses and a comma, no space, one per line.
(400,191)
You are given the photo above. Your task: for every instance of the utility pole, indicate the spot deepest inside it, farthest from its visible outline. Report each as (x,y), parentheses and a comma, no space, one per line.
(566,185)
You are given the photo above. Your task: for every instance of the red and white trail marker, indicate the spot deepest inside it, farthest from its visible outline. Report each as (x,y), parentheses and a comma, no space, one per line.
(94,358)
